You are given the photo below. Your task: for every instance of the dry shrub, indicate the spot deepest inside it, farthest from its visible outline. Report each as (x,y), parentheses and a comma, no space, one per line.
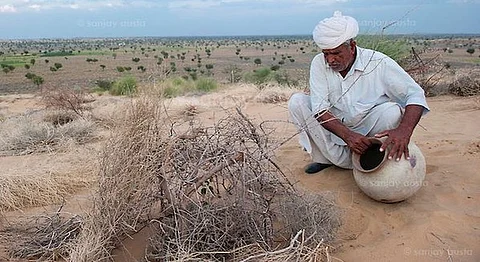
(26,135)
(67,99)
(428,74)
(27,190)
(44,237)
(59,118)
(209,191)
(274,94)
(128,183)
(467,84)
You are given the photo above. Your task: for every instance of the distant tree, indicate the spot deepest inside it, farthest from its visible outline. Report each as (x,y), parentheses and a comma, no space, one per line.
(92,60)
(103,67)
(114,55)
(142,68)
(159,61)
(234,73)
(471,51)
(274,67)
(209,66)
(47,61)
(165,54)
(58,65)
(6,70)
(32,61)
(53,69)
(27,66)
(30,75)
(120,69)
(37,80)
(128,68)
(257,61)
(136,59)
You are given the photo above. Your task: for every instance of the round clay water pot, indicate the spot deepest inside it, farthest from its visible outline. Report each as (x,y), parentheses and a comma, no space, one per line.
(385,180)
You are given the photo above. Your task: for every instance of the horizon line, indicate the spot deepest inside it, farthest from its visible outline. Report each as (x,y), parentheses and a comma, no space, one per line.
(227,36)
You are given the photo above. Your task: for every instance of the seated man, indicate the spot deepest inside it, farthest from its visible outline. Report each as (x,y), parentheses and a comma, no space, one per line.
(355,93)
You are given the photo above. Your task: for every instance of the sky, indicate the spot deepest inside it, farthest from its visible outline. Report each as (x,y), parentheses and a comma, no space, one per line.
(32,19)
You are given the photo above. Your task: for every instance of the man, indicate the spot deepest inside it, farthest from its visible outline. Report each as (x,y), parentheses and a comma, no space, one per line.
(355,93)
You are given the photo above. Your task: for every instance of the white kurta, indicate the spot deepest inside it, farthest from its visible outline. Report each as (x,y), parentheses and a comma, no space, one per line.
(370,99)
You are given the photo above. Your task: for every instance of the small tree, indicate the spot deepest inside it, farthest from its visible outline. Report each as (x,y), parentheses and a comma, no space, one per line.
(142,68)
(37,80)
(58,65)
(27,66)
(30,75)
(471,51)
(257,61)
(136,59)
(32,61)
(103,67)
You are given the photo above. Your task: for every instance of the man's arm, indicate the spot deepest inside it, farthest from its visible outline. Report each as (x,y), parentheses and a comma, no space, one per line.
(399,137)
(356,142)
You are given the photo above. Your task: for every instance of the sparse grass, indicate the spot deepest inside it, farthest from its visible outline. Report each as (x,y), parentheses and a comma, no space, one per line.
(206,84)
(178,86)
(29,190)
(396,48)
(272,94)
(26,135)
(126,85)
(17,61)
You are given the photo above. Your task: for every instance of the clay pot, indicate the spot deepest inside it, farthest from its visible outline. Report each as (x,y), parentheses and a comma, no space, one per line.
(385,180)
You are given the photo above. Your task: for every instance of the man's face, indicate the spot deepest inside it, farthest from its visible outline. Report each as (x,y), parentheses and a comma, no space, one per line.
(340,58)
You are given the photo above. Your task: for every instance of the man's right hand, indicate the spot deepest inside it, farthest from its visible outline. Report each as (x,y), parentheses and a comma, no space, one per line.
(357,143)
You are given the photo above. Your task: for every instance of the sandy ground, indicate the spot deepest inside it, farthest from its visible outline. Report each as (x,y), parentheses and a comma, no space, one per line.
(439,223)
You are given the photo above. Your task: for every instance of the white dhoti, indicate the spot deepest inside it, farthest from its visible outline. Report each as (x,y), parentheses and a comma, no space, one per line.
(324,146)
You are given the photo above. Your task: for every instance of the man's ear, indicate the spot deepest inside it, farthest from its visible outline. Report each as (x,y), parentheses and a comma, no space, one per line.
(353,44)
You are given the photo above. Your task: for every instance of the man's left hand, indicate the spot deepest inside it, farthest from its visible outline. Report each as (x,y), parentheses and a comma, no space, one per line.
(398,139)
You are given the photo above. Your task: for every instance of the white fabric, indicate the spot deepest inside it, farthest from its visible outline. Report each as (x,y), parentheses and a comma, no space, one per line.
(370,99)
(373,80)
(320,143)
(333,31)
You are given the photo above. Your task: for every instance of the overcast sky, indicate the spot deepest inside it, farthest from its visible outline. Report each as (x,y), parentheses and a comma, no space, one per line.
(21,19)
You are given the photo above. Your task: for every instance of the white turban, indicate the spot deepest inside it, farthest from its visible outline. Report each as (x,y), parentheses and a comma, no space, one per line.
(333,31)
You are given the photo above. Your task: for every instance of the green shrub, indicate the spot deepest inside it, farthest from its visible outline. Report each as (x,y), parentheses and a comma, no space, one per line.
(205,84)
(124,86)
(396,48)
(259,76)
(104,85)
(177,86)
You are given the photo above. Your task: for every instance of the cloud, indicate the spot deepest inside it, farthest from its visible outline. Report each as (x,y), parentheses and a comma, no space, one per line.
(39,5)
(7,9)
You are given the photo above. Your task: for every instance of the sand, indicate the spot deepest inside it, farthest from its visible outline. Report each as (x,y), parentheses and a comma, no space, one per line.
(439,223)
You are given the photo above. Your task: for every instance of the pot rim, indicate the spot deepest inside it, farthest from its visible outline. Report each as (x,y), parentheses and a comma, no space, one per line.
(356,157)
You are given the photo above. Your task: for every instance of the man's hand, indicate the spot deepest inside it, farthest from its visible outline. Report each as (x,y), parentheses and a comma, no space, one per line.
(358,143)
(398,139)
